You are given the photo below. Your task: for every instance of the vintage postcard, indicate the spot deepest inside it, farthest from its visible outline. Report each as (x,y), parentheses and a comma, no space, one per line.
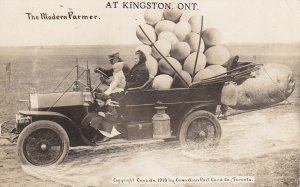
(149,93)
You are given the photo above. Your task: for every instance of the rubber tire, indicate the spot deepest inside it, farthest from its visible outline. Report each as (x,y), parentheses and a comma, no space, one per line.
(191,117)
(40,125)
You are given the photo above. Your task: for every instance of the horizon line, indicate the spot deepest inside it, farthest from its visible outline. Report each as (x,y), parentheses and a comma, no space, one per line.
(133,44)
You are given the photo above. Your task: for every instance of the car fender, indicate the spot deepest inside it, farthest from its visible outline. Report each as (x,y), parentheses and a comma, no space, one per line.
(47,115)
(57,117)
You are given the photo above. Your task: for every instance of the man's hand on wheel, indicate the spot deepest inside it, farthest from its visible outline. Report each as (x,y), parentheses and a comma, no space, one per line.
(103,80)
(100,71)
(96,70)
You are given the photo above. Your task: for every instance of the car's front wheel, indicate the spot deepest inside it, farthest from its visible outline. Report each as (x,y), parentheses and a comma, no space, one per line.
(43,143)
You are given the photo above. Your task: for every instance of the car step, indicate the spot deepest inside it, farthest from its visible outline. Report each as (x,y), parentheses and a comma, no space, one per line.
(123,143)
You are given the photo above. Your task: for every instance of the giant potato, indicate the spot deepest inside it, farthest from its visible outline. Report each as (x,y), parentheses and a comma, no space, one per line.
(163,46)
(189,62)
(272,84)
(178,83)
(193,40)
(162,82)
(182,29)
(149,30)
(164,67)
(195,22)
(152,65)
(217,69)
(172,14)
(153,16)
(168,36)
(180,50)
(212,36)
(203,74)
(164,25)
(217,55)
(144,48)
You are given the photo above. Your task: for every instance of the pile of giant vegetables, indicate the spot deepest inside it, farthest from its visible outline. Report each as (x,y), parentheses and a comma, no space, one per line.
(177,39)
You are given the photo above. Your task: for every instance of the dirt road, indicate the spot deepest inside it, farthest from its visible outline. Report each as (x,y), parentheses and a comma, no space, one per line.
(257,143)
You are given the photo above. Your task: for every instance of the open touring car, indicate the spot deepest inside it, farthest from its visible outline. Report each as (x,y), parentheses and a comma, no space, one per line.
(55,121)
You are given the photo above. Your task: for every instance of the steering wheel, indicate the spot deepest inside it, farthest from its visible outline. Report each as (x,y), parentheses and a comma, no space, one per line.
(101,73)
(103,78)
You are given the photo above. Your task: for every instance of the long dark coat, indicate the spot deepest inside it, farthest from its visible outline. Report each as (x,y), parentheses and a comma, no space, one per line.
(137,76)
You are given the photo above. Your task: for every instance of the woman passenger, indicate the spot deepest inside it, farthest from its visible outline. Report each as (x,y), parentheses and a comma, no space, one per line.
(139,73)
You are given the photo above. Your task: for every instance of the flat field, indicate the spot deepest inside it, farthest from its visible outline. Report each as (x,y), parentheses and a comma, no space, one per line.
(263,143)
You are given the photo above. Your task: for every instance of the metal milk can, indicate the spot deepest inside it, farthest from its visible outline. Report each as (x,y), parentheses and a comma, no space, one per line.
(161,123)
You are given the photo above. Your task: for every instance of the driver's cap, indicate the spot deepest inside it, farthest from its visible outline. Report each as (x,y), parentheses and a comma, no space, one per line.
(114,55)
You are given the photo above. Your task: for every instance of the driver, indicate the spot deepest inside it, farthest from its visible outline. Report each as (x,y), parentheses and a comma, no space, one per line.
(113,59)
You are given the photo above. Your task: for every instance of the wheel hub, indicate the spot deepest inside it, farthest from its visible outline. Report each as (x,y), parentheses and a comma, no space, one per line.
(202,134)
(44,146)
(198,132)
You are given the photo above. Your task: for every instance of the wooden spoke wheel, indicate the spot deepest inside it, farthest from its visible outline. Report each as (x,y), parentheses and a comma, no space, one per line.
(43,143)
(200,130)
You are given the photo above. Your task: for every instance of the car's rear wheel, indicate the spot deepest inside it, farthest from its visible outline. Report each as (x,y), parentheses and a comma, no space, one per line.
(200,130)
(43,143)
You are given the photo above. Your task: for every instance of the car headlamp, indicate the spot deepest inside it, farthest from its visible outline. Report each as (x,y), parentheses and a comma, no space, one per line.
(22,121)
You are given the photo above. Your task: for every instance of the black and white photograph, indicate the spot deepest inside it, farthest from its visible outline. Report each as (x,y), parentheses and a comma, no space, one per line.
(150,93)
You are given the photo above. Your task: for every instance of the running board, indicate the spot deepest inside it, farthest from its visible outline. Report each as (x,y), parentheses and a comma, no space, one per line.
(123,142)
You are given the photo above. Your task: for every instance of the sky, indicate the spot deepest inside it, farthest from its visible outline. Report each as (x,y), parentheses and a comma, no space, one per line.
(240,21)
